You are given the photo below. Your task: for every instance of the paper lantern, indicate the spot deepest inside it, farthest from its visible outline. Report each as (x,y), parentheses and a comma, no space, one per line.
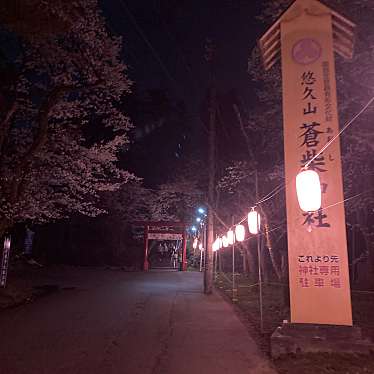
(239,233)
(254,222)
(216,245)
(308,187)
(225,242)
(7,243)
(194,245)
(230,237)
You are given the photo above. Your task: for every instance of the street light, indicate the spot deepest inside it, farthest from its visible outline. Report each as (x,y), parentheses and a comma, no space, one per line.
(198,219)
(201,210)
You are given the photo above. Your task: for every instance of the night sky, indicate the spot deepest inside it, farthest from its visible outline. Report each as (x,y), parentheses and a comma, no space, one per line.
(164,46)
(176,31)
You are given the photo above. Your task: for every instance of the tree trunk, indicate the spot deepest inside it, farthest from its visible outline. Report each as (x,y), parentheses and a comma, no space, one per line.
(245,261)
(208,274)
(276,268)
(5,226)
(252,269)
(5,125)
(264,262)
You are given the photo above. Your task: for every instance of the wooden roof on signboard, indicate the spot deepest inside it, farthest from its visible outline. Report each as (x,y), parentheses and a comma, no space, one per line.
(343,31)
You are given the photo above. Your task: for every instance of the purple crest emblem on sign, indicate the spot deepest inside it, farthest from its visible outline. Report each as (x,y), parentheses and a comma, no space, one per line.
(306,51)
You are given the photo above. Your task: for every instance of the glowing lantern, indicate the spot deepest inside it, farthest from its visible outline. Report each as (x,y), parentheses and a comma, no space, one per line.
(194,245)
(225,242)
(308,187)
(230,237)
(201,246)
(239,233)
(216,245)
(254,222)
(7,243)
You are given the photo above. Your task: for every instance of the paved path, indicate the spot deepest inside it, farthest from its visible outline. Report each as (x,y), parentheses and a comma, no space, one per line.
(130,323)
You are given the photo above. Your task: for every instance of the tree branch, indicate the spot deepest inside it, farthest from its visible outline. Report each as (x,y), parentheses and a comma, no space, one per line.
(239,117)
(41,138)
(5,125)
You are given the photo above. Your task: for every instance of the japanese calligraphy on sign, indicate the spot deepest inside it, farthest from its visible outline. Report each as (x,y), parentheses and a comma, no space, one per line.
(319,271)
(317,249)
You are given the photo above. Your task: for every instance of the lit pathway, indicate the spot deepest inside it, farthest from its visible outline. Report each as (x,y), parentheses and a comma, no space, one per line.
(130,323)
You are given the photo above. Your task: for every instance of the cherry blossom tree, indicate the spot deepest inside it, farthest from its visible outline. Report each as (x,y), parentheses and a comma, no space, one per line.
(176,200)
(62,123)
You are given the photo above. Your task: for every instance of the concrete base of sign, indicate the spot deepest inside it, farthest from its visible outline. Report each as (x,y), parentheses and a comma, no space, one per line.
(302,338)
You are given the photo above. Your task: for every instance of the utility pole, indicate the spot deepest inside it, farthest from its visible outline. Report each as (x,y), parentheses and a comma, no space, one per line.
(259,257)
(208,273)
(234,289)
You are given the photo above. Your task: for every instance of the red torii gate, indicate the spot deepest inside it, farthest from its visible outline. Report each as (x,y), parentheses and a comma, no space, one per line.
(164,230)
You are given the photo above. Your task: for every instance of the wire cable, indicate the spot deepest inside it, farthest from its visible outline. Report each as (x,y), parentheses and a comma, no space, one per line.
(348,199)
(325,208)
(280,187)
(149,45)
(341,131)
(270,193)
(267,197)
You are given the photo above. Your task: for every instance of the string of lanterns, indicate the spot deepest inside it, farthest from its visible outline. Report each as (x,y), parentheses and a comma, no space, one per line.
(308,189)
(237,234)
(309,195)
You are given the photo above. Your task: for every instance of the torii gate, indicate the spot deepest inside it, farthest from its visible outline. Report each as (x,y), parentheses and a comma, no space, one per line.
(164,230)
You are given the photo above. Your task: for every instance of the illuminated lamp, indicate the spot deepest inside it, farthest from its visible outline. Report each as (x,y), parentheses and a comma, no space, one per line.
(215,245)
(254,222)
(195,242)
(239,233)
(7,243)
(220,242)
(201,246)
(230,237)
(308,188)
(225,242)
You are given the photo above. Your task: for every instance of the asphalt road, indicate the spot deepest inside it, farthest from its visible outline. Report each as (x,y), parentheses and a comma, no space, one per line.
(131,323)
